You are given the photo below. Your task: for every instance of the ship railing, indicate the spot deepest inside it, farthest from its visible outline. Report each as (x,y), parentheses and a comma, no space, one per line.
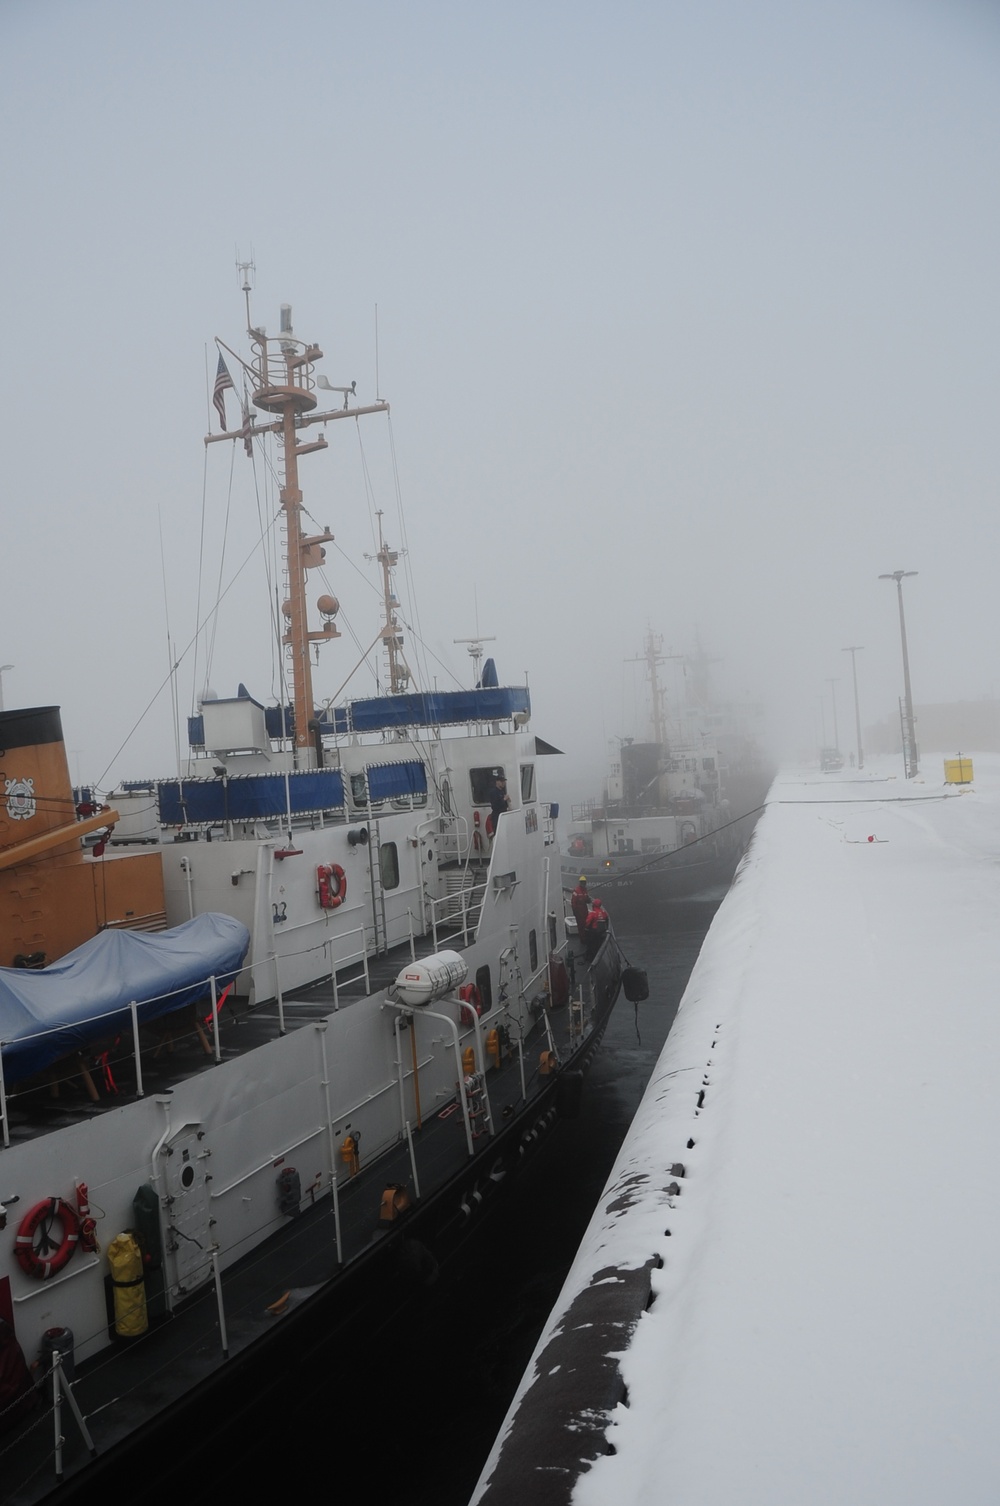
(458,912)
(203,1278)
(272,368)
(455,844)
(585,810)
(123,1016)
(397,927)
(131,1017)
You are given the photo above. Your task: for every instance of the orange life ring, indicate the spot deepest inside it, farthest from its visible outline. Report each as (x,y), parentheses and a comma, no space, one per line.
(472,1003)
(39,1262)
(332,885)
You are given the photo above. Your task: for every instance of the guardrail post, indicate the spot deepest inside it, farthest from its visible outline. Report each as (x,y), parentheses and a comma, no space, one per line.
(413,1161)
(217,1275)
(331,1144)
(3,1101)
(215,1020)
(135,1042)
(277,991)
(57,1399)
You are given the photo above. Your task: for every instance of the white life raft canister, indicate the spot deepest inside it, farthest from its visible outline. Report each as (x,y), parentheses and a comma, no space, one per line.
(430,978)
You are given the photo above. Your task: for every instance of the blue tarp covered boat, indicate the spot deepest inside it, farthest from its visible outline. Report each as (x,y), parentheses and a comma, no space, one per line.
(88,993)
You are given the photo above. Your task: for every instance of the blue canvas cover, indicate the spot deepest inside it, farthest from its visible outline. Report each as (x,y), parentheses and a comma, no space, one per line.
(440,708)
(248,797)
(86,995)
(395,779)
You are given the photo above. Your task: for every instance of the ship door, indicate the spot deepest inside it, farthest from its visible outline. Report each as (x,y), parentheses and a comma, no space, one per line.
(187,1225)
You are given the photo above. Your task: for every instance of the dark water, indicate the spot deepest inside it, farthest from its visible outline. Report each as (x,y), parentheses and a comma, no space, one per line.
(411,1417)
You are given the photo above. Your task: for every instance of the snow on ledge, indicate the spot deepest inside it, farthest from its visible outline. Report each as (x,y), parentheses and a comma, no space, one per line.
(821,1323)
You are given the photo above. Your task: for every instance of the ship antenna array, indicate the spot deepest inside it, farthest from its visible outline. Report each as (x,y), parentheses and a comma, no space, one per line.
(476,649)
(400,674)
(248,272)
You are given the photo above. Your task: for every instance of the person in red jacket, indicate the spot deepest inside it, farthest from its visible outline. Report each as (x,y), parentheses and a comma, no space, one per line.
(580,905)
(596,929)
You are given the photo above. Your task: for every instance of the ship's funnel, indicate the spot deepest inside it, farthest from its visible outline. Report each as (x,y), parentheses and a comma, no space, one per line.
(53,895)
(35,791)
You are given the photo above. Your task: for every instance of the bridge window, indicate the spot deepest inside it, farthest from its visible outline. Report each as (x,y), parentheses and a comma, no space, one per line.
(527,782)
(483,781)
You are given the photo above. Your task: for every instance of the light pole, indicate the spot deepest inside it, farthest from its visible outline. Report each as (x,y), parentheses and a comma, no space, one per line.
(3,670)
(831,680)
(854,650)
(910,765)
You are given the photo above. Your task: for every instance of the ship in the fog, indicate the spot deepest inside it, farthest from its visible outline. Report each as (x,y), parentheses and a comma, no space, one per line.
(677,810)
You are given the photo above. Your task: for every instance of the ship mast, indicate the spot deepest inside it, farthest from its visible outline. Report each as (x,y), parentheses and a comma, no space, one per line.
(399,671)
(282,384)
(652,656)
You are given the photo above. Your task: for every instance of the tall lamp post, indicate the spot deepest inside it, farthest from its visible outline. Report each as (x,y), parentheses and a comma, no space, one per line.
(831,680)
(3,670)
(910,765)
(854,650)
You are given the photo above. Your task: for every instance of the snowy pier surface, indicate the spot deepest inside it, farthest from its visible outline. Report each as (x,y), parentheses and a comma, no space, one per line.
(789,1292)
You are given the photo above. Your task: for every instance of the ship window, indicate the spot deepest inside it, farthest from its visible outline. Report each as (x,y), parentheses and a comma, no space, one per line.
(446,797)
(485,987)
(553,932)
(483,781)
(533,949)
(388,863)
(359,789)
(527,781)
(708,764)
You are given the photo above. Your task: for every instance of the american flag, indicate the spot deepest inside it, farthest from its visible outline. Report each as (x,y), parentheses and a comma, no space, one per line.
(222,381)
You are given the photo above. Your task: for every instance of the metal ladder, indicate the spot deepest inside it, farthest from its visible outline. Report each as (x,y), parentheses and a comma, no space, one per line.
(380,933)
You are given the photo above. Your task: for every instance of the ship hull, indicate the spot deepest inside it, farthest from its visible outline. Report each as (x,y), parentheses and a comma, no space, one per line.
(135,1405)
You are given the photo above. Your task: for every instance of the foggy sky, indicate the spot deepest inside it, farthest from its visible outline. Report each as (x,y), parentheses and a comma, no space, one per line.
(688,316)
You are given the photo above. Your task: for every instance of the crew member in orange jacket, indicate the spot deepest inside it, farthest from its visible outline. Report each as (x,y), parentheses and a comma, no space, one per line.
(596,929)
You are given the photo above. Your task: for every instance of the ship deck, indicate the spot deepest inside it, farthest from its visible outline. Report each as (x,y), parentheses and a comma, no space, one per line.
(179,1046)
(126,1385)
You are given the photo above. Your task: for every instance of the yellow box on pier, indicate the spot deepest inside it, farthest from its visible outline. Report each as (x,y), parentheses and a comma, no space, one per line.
(958,770)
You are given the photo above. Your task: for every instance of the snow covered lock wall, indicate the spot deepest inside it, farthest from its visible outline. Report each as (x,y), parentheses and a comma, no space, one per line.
(787,1291)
